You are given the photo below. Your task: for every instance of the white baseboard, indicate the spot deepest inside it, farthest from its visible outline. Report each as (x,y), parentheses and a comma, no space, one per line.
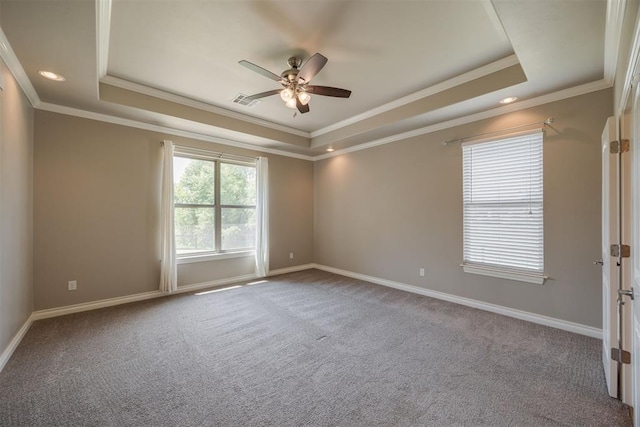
(214,283)
(94,305)
(77,308)
(505,311)
(15,341)
(291,269)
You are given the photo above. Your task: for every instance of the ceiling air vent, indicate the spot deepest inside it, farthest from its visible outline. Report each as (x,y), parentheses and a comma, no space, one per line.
(245,100)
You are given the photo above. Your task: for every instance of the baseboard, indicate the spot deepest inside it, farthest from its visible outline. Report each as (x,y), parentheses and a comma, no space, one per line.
(505,311)
(94,305)
(77,308)
(214,283)
(15,341)
(291,269)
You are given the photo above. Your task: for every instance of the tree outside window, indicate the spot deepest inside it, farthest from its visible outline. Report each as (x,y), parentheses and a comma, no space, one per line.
(214,205)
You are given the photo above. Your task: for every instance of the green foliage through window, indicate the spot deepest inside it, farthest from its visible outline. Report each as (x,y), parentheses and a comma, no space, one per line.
(196,206)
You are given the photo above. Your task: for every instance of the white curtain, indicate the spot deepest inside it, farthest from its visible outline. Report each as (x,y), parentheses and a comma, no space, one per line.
(262,218)
(168,270)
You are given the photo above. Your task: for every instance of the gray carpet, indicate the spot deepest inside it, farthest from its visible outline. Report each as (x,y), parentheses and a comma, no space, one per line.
(308,348)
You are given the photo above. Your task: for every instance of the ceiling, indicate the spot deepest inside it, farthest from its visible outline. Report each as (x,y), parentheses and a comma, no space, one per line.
(410,65)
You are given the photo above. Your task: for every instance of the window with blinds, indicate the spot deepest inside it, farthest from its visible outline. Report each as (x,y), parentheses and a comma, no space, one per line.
(503,207)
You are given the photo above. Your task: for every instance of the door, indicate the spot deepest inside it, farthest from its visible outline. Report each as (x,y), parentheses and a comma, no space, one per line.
(609,264)
(617,325)
(634,215)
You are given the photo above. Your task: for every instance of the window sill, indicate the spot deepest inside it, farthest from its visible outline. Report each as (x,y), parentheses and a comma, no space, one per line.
(537,279)
(188,259)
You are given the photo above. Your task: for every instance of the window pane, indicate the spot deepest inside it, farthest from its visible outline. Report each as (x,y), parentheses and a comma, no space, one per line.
(504,235)
(238,228)
(194,230)
(503,203)
(193,181)
(237,184)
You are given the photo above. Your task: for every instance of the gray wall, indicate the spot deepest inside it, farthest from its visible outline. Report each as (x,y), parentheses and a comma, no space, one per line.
(389,210)
(16,191)
(97,195)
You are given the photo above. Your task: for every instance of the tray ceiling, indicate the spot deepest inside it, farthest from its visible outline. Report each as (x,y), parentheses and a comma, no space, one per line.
(409,64)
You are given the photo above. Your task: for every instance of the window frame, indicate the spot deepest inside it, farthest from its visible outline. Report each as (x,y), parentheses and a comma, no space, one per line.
(218,253)
(491,269)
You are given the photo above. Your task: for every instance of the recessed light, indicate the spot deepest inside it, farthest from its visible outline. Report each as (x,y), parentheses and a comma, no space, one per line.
(51,76)
(329,149)
(508,100)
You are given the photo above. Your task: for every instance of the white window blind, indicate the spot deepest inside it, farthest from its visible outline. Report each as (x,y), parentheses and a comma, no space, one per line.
(503,205)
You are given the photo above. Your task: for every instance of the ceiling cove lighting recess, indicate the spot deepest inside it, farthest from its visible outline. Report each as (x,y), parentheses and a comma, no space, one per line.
(508,100)
(51,76)
(330,149)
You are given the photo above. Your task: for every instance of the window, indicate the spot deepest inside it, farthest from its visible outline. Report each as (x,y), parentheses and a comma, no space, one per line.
(215,205)
(503,207)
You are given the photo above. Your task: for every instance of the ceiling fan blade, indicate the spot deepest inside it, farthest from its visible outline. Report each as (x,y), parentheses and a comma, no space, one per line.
(328,91)
(311,68)
(302,108)
(260,70)
(264,94)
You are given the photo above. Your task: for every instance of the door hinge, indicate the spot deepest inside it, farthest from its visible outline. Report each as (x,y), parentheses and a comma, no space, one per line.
(623,251)
(616,147)
(620,355)
(626,293)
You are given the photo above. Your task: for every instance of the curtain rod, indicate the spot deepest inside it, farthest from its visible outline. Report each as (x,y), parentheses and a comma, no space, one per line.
(543,124)
(187,149)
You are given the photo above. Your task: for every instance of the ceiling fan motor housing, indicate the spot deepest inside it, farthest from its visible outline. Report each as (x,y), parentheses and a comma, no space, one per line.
(291,74)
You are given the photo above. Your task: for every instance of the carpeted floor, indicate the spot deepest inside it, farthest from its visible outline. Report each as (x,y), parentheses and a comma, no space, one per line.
(308,348)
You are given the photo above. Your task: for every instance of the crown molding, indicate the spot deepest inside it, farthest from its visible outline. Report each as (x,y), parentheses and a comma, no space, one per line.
(14,65)
(447,84)
(528,103)
(103,28)
(612,35)
(106,118)
(544,99)
(166,96)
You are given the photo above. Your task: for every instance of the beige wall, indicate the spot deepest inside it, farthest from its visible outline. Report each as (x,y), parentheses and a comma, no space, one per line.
(16,191)
(390,210)
(96,212)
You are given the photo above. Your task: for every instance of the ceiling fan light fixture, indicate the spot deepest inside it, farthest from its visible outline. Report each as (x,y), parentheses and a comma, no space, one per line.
(304,97)
(291,103)
(286,94)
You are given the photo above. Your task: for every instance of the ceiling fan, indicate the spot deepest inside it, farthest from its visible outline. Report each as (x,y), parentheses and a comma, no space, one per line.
(296,92)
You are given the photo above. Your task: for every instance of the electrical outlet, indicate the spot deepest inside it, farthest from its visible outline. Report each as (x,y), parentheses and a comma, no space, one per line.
(422,272)
(73,285)
(290,255)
